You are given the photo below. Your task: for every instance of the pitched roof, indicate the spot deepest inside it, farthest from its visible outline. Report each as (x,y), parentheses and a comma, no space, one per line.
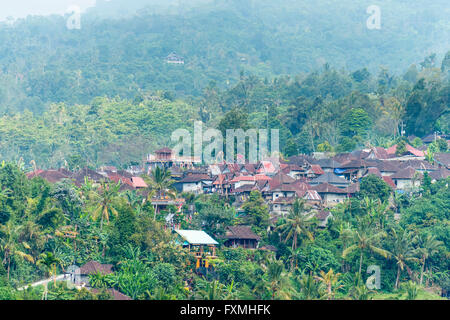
(352,164)
(409,148)
(312,195)
(441,173)
(138,182)
(266,167)
(116,295)
(329,177)
(164,150)
(375,171)
(51,176)
(86,172)
(195,178)
(407,173)
(328,188)
(442,159)
(93,267)
(389,181)
(316,169)
(327,163)
(279,179)
(196,237)
(378,153)
(241,232)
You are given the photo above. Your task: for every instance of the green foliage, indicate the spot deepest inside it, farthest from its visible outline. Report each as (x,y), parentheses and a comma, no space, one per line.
(374,187)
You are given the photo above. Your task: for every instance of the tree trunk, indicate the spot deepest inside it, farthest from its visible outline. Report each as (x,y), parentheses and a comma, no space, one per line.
(398,277)
(9,267)
(360,262)
(421,272)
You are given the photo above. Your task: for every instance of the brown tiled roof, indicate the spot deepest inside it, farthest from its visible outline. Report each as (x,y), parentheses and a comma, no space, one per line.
(241,232)
(279,179)
(164,150)
(352,164)
(441,173)
(442,159)
(93,267)
(317,169)
(389,181)
(51,176)
(86,172)
(374,171)
(116,295)
(328,188)
(407,173)
(195,178)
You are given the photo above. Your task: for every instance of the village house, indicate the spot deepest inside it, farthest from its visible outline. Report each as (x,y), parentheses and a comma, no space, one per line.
(407,179)
(93,267)
(201,245)
(173,58)
(330,178)
(194,183)
(330,194)
(241,236)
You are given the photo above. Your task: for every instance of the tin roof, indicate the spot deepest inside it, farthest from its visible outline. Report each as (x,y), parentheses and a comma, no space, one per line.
(196,237)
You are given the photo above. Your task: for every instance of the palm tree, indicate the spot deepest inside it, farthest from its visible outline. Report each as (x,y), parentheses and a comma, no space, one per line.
(294,255)
(365,239)
(309,287)
(331,282)
(50,261)
(403,251)
(161,183)
(428,246)
(108,192)
(9,244)
(214,291)
(296,224)
(278,279)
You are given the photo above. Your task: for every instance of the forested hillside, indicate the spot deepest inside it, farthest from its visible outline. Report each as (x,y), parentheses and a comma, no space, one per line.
(327,110)
(42,61)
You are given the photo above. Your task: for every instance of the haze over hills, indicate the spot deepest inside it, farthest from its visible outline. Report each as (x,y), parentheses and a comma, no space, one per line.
(122,45)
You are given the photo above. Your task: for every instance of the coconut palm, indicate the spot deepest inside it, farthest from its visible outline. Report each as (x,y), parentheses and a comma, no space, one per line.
(106,196)
(161,184)
(309,287)
(9,244)
(331,282)
(428,246)
(278,280)
(403,251)
(365,239)
(297,224)
(50,262)
(214,291)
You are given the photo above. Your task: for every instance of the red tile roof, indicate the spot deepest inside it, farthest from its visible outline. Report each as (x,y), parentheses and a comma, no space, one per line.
(412,150)
(138,182)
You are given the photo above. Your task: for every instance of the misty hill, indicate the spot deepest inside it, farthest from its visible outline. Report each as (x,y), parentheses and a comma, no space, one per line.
(122,46)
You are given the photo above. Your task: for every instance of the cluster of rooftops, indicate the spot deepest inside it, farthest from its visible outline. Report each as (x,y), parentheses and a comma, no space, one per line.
(320,180)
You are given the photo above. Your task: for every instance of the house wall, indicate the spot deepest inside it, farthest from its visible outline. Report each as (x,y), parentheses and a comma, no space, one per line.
(331,198)
(403,184)
(195,187)
(278,194)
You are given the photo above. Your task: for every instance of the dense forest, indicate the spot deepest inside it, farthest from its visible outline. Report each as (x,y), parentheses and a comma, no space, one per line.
(105,95)
(42,61)
(46,228)
(325,110)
